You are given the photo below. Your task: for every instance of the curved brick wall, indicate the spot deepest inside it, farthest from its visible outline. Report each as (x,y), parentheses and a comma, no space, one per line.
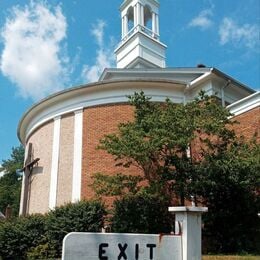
(42,143)
(64,187)
(98,121)
(41,139)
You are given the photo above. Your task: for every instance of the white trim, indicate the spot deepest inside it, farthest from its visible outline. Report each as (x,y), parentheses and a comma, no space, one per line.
(94,102)
(144,47)
(199,80)
(126,42)
(22,202)
(107,92)
(245,104)
(55,163)
(110,93)
(157,24)
(22,199)
(188,209)
(77,155)
(153,72)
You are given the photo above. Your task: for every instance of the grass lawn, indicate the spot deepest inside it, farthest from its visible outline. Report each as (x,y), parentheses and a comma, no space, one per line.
(231,257)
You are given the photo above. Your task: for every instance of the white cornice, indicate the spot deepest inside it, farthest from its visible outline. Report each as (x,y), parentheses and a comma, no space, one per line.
(245,104)
(100,93)
(157,83)
(163,73)
(200,79)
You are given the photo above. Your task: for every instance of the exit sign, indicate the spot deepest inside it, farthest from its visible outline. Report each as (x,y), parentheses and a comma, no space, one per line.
(105,246)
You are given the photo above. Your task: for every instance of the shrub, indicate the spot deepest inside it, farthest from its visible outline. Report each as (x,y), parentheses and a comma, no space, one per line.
(20,234)
(42,251)
(40,236)
(142,213)
(84,216)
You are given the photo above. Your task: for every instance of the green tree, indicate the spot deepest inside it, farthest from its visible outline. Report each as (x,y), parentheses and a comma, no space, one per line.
(142,213)
(158,140)
(10,183)
(223,172)
(229,185)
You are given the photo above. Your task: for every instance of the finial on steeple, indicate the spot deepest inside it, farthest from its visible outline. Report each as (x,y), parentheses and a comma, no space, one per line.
(140,45)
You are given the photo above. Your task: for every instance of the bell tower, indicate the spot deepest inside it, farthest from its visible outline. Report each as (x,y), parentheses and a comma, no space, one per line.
(140,46)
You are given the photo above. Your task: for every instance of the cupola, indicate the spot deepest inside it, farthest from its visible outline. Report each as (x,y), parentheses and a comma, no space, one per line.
(140,46)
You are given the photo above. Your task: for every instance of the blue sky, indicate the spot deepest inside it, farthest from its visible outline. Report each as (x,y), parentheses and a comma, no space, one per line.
(50,45)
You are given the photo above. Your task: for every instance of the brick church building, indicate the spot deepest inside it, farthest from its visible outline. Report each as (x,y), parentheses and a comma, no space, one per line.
(61,132)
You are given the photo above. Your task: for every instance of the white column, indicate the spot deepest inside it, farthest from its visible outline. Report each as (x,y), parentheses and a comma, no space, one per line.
(22,202)
(55,163)
(138,13)
(24,189)
(77,156)
(154,23)
(135,16)
(157,24)
(125,25)
(142,15)
(188,219)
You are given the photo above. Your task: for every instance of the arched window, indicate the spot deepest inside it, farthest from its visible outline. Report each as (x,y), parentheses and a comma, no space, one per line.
(130,16)
(148,17)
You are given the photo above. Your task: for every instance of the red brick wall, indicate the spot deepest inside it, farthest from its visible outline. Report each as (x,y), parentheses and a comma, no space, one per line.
(98,121)
(249,124)
(101,120)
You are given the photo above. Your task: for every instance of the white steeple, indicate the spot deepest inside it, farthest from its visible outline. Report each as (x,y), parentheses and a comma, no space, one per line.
(140,46)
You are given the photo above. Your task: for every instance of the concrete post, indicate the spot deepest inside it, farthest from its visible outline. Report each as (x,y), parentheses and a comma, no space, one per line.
(188,223)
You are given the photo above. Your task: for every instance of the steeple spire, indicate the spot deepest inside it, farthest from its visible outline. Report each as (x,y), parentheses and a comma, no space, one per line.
(140,46)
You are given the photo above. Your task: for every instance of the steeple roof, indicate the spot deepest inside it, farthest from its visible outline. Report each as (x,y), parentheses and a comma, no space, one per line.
(128,1)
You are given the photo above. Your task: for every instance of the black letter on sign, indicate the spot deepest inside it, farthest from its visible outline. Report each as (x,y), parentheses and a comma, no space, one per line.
(151,246)
(136,252)
(122,251)
(102,251)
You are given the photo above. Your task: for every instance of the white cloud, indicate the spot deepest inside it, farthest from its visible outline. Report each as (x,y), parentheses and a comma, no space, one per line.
(239,35)
(33,57)
(203,20)
(104,55)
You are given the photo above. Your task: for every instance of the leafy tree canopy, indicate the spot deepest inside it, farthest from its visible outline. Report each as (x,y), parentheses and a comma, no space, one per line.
(186,150)
(161,136)
(10,183)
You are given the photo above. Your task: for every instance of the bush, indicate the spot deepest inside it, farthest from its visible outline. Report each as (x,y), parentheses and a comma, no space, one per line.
(42,251)
(231,192)
(84,216)
(20,234)
(142,213)
(40,236)
(232,226)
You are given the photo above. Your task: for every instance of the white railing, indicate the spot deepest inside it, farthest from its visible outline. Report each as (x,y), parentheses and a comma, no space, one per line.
(143,29)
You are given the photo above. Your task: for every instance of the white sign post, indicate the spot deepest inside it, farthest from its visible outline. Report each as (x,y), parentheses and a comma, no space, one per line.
(186,245)
(188,219)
